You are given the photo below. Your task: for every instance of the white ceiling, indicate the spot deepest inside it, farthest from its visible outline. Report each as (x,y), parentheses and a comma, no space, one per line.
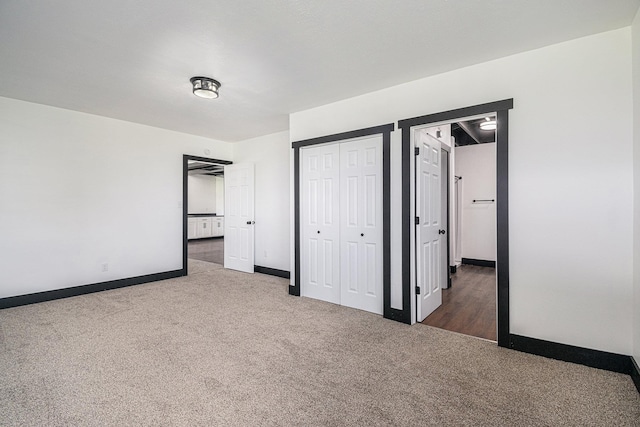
(132,60)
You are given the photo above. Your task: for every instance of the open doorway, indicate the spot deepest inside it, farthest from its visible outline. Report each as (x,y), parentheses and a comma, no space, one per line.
(468,227)
(413,289)
(203,208)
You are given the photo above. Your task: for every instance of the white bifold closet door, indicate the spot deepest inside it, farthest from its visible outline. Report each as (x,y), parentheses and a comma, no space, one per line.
(341,211)
(320,228)
(361,224)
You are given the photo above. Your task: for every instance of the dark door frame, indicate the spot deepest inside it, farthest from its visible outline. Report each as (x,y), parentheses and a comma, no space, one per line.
(501,109)
(448,181)
(185,200)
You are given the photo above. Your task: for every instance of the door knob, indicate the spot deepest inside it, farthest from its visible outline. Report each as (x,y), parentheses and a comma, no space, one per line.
(362,234)
(250,222)
(441,231)
(318,231)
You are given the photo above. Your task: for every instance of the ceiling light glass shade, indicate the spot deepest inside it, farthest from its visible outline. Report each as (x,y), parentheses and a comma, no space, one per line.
(205,87)
(490,125)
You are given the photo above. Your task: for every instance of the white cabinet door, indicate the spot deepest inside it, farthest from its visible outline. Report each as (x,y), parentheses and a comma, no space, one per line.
(239,217)
(361,245)
(217,227)
(203,227)
(320,226)
(209,232)
(192,228)
(214,227)
(220,227)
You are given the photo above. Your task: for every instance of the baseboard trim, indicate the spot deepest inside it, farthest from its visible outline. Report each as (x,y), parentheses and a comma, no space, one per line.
(199,239)
(583,356)
(635,373)
(403,316)
(294,290)
(272,271)
(37,297)
(453,269)
(479,262)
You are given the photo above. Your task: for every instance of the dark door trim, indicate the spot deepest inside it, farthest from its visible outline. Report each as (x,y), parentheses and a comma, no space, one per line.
(185,199)
(501,108)
(448,236)
(385,130)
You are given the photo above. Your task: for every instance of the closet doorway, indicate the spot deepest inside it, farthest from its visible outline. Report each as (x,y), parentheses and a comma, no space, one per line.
(411,291)
(342,223)
(467,291)
(342,219)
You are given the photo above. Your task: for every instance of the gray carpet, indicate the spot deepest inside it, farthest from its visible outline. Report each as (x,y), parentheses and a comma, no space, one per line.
(225,348)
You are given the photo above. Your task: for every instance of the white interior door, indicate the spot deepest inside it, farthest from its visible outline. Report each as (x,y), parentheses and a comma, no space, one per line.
(320,228)
(428,241)
(239,217)
(361,245)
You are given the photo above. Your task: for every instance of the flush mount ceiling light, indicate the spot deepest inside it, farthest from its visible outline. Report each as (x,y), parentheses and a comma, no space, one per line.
(204,87)
(488,124)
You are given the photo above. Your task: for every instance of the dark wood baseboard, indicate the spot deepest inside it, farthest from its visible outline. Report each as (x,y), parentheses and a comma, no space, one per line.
(453,269)
(19,300)
(583,356)
(294,290)
(205,238)
(635,373)
(272,271)
(479,262)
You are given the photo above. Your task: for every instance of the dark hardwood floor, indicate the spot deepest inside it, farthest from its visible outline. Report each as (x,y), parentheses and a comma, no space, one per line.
(469,305)
(209,250)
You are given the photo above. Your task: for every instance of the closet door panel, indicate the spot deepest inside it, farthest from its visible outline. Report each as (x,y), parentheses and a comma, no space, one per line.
(361,224)
(320,223)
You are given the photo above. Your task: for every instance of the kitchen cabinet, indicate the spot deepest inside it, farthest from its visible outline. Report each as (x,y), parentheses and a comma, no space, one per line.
(218,226)
(192,227)
(204,227)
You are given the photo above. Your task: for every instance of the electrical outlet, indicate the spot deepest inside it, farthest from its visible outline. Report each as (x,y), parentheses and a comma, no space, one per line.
(105,267)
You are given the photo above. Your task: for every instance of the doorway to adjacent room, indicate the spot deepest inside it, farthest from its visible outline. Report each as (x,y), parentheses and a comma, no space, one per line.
(428,229)
(465,235)
(204,206)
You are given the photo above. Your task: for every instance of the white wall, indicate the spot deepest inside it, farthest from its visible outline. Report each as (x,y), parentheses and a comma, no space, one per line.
(270,154)
(476,164)
(445,134)
(219,195)
(202,194)
(79,190)
(570,173)
(636,169)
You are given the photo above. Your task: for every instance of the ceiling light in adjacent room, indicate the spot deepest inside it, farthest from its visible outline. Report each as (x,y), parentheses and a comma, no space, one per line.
(204,87)
(488,124)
